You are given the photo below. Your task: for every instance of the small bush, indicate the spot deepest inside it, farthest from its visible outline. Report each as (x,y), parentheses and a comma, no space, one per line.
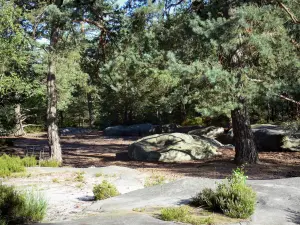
(79,176)
(49,163)
(29,161)
(193,121)
(293,126)
(105,190)
(34,129)
(155,180)
(175,213)
(20,208)
(98,174)
(183,214)
(234,198)
(35,206)
(10,164)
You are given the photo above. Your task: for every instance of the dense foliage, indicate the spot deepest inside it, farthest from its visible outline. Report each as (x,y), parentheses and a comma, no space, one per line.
(94,63)
(234,198)
(20,208)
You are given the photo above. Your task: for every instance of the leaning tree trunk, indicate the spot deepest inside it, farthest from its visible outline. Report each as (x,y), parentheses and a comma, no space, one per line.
(19,131)
(53,137)
(245,149)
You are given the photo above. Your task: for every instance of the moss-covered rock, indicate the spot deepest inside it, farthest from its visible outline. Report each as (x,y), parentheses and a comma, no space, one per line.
(172,147)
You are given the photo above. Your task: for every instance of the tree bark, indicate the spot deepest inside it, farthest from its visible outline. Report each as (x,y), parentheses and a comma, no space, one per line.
(19,131)
(52,131)
(245,149)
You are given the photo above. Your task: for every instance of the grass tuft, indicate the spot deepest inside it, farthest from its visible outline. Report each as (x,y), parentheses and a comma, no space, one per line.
(49,163)
(10,164)
(21,208)
(155,180)
(79,176)
(184,214)
(105,190)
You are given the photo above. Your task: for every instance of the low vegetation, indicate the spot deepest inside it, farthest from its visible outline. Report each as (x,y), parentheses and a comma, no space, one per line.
(233,197)
(29,161)
(49,163)
(105,190)
(184,214)
(20,208)
(155,180)
(14,164)
(79,176)
(34,129)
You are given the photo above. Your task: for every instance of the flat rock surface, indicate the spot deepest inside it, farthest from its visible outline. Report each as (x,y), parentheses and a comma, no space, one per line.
(69,191)
(278,202)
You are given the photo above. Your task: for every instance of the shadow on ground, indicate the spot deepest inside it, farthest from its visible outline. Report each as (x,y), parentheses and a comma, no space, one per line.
(97,150)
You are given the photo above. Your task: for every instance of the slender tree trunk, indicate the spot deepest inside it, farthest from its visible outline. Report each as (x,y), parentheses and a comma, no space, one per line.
(245,149)
(91,110)
(19,131)
(53,137)
(61,113)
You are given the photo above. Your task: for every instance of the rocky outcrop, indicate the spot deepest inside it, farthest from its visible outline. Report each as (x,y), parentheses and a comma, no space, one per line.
(211,132)
(133,130)
(274,138)
(172,147)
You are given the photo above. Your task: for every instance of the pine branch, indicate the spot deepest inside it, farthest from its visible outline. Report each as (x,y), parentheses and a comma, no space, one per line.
(175,4)
(288,11)
(97,24)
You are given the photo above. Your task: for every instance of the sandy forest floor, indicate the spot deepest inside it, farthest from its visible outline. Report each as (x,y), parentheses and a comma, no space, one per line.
(97,150)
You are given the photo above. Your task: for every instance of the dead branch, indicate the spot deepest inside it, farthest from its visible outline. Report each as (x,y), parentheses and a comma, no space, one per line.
(288,99)
(288,11)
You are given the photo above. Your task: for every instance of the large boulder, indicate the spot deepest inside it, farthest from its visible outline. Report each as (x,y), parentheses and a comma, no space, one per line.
(133,130)
(211,132)
(187,129)
(274,138)
(172,147)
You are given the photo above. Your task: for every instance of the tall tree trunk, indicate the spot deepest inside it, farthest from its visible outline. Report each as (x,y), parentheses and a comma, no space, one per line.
(245,149)
(53,137)
(91,110)
(19,131)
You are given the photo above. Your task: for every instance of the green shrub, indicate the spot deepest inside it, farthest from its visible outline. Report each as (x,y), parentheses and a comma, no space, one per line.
(175,213)
(29,161)
(105,190)
(35,206)
(193,121)
(234,198)
(34,129)
(155,180)
(10,164)
(79,176)
(293,126)
(183,214)
(49,163)
(20,208)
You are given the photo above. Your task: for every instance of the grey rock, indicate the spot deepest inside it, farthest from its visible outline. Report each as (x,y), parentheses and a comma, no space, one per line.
(172,147)
(187,129)
(73,131)
(133,130)
(278,200)
(274,138)
(211,132)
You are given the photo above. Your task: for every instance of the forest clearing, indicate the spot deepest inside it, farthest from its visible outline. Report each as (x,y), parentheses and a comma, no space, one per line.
(150,112)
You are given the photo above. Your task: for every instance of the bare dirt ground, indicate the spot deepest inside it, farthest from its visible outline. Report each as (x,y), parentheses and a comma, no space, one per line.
(100,151)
